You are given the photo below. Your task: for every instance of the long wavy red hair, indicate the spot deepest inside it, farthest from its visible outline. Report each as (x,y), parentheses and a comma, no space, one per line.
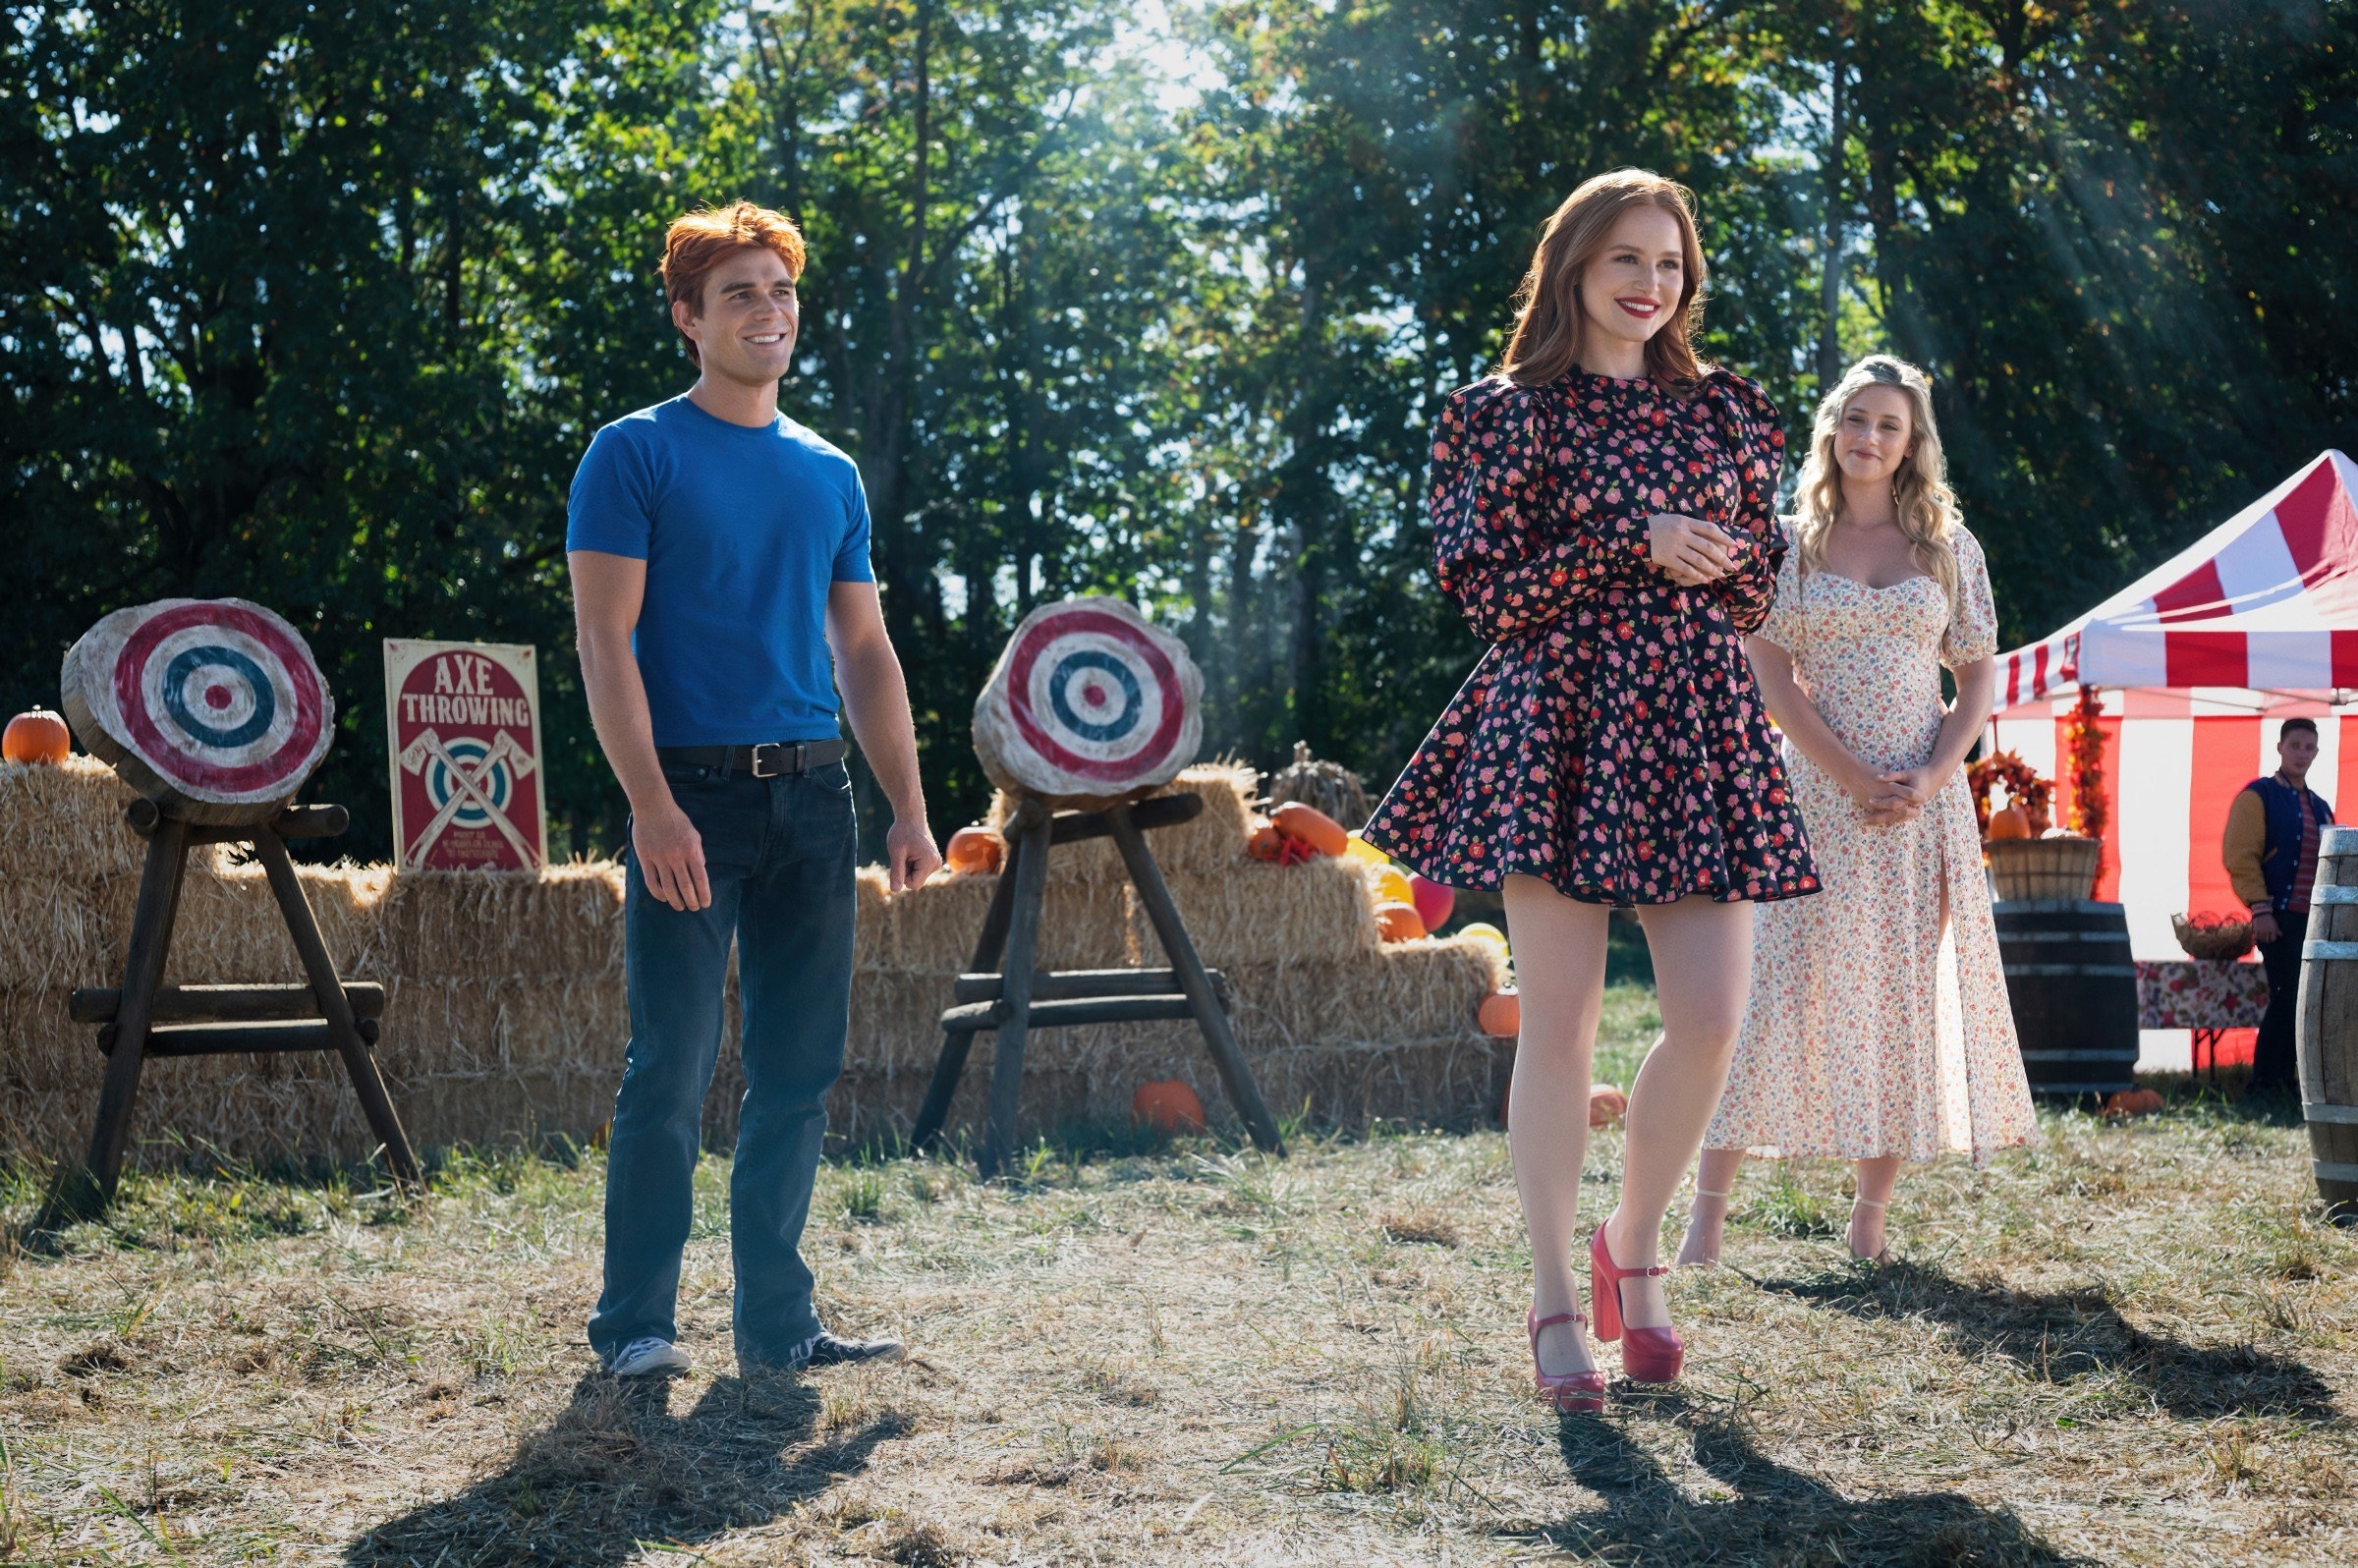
(1548,319)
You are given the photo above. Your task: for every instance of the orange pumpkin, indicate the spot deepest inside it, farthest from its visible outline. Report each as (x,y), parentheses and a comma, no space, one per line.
(40,736)
(1606,1104)
(2009,822)
(1169,1106)
(1501,1015)
(1311,827)
(975,851)
(1399,923)
(1264,842)
(2131,1102)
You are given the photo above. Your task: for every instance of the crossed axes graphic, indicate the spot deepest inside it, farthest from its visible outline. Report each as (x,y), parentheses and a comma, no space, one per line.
(464,787)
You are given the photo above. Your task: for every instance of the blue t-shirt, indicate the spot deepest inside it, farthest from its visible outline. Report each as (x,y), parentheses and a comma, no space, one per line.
(743,529)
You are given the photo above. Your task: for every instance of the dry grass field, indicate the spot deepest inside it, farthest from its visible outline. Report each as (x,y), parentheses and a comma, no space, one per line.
(2128,1344)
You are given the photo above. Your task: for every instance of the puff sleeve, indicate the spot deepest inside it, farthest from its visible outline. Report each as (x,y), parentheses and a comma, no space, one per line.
(1756,435)
(1972,633)
(1498,548)
(1787,618)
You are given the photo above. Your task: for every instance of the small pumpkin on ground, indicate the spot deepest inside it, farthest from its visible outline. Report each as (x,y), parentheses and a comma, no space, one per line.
(975,851)
(2127,1102)
(36,736)
(1169,1106)
(1606,1104)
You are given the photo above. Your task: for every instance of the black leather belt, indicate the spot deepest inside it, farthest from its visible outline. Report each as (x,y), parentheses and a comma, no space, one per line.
(761,761)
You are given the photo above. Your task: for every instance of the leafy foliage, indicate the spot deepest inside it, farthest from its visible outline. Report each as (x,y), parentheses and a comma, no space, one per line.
(320,304)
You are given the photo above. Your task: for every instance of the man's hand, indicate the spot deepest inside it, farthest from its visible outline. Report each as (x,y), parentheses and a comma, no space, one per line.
(671,856)
(2265,927)
(1688,550)
(910,855)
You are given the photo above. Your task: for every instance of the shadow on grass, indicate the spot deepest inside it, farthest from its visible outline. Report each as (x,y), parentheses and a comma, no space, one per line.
(617,1473)
(1777,1515)
(2060,1337)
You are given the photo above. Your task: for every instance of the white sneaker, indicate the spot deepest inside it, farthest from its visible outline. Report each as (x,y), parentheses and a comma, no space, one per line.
(649,1358)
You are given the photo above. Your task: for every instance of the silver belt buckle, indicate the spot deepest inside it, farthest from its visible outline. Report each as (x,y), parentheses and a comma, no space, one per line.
(774,751)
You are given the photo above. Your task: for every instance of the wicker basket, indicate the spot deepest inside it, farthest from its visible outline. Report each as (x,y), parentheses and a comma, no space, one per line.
(2224,942)
(2029,869)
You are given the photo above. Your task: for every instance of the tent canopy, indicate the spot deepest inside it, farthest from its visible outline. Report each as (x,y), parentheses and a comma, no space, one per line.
(2266,602)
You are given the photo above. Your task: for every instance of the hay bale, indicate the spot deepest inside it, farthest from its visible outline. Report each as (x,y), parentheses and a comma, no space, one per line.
(477,1026)
(498,1061)
(65,821)
(562,922)
(1412,990)
(42,1126)
(1212,843)
(56,931)
(229,929)
(1260,912)
(932,929)
(896,1022)
(40,1047)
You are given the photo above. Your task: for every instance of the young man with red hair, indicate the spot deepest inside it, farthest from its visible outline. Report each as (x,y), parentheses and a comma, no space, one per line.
(719,552)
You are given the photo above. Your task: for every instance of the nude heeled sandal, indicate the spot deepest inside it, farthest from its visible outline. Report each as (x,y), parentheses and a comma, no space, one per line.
(1712,1261)
(1882,1253)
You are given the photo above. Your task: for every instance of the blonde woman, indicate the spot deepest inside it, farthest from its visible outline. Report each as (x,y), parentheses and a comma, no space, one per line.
(1878,1029)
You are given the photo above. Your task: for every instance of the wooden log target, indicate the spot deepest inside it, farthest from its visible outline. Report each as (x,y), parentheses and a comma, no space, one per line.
(1088,704)
(215,706)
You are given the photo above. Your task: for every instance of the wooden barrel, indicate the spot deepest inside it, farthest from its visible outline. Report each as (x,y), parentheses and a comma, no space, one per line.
(2328,1023)
(2075,992)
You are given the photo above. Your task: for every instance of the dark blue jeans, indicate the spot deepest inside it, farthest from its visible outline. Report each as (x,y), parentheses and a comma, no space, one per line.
(779,853)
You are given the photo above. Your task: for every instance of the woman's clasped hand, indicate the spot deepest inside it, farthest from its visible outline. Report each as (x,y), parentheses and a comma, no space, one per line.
(1688,550)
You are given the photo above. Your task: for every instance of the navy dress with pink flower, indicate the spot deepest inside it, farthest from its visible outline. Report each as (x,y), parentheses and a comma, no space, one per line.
(1612,742)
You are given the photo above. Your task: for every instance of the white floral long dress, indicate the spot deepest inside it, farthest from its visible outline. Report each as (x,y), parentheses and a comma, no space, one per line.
(1875,1028)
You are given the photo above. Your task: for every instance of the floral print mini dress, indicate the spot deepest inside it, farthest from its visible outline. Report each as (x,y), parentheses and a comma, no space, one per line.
(1612,742)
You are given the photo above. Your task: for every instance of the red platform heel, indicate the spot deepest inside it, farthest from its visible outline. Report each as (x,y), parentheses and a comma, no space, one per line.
(1577,1394)
(1648,1355)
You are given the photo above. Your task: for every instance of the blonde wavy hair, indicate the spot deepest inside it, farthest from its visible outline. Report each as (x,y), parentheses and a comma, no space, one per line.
(1928,507)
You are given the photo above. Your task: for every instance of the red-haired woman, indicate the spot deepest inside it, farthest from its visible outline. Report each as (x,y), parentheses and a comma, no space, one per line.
(1601,506)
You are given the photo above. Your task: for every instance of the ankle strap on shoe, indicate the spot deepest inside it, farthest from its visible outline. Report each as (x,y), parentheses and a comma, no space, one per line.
(1870,1203)
(1557,1318)
(1705,1193)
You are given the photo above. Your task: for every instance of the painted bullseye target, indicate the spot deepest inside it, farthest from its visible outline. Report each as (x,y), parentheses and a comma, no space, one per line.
(1089,703)
(215,704)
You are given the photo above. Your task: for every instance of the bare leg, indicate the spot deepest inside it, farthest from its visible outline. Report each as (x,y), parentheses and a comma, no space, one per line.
(1877,1178)
(1559,968)
(1714,1186)
(1703,969)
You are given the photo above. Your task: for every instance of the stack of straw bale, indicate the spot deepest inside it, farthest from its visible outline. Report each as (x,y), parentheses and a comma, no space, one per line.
(506,1014)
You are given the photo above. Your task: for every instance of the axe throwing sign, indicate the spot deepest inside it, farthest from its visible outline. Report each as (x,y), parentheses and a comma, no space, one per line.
(462,723)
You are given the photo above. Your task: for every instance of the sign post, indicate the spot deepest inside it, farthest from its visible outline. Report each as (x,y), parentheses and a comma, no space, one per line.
(463,735)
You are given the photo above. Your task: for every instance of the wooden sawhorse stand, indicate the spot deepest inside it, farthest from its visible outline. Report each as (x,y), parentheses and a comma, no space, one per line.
(147,1018)
(1004,993)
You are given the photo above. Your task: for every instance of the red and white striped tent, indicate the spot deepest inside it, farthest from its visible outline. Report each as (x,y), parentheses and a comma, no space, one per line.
(2196,661)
